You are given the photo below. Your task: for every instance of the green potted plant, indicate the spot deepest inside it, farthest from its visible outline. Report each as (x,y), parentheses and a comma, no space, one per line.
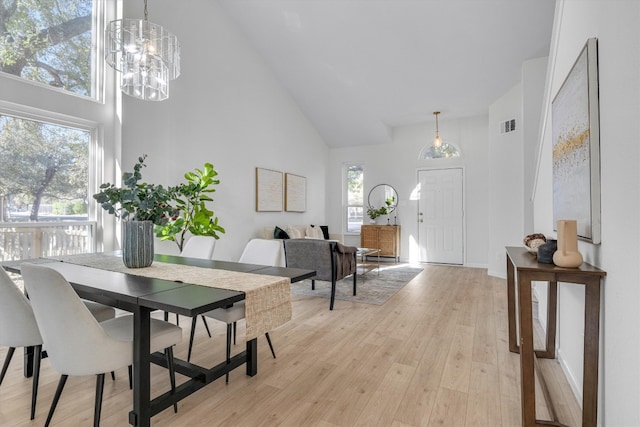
(140,205)
(192,214)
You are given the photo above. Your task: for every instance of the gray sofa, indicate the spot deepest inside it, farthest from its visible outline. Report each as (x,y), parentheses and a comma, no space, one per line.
(332,261)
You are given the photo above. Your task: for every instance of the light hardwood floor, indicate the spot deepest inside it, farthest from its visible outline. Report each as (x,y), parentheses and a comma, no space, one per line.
(436,354)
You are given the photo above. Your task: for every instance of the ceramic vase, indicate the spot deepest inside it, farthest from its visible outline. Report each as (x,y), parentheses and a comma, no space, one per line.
(546,251)
(137,243)
(567,254)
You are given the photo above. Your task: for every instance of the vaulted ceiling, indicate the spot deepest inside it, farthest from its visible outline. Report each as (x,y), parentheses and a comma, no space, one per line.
(359,68)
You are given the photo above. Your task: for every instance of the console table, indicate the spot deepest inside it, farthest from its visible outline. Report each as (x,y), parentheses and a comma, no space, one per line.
(383,237)
(523,267)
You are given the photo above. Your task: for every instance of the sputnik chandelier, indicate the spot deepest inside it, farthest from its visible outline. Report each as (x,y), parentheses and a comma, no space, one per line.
(146,55)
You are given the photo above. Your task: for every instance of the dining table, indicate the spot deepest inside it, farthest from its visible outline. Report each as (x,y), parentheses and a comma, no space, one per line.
(99,278)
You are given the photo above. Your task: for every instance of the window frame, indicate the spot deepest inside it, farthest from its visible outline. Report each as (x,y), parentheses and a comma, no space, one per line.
(100,13)
(345,199)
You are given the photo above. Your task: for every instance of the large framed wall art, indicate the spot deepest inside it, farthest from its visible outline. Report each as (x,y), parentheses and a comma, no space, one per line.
(295,193)
(576,146)
(268,190)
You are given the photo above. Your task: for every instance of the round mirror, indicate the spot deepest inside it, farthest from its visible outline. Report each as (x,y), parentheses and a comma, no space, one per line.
(383,197)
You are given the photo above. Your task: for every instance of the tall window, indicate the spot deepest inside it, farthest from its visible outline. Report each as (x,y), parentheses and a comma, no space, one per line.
(354,179)
(44,171)
(51,42)
(52,138)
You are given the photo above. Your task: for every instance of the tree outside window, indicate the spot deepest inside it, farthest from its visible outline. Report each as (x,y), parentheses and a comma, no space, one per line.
(355,198)
(50,42)
(44,171)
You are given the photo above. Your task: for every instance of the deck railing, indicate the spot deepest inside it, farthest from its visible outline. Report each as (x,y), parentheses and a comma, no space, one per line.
(40,239)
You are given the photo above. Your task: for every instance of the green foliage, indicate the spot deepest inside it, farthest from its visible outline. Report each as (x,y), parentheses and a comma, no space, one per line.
(193,215)
(136,200)
(383,210)
(48,41)
(375,213)
(355,183)
(42,162)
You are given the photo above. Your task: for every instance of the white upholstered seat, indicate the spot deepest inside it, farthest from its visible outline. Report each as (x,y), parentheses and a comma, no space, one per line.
(199,247)
(18,327)
(257,251)
(76,343)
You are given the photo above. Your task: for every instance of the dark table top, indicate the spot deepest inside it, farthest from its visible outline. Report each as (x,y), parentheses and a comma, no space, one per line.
(124,290)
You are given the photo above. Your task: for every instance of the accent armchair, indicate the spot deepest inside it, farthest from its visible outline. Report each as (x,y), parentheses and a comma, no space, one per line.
(332,261)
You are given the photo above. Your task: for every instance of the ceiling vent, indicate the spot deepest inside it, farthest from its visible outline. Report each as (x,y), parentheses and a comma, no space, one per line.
(508,126)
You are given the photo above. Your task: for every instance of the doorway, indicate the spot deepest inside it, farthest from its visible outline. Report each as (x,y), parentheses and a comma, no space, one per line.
(441,216)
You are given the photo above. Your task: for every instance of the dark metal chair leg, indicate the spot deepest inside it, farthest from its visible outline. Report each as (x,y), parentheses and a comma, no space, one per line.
(228,350)
(113,376)
(333,293)
(130,369)
(235,327)
(56,397)
(37,357)
(7,360)
(206,325)
(193,332)
(270,345)
(354,284)
(313,285)
(98,406)
(172,373)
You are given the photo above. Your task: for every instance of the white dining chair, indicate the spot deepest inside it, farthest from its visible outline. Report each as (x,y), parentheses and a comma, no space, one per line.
(257,251)
(76,343)
(18,327)
(200,247)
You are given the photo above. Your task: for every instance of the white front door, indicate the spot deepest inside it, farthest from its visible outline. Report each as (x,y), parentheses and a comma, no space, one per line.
(441,216)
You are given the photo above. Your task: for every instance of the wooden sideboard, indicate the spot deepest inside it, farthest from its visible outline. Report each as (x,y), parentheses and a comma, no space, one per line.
(522,270)
(383,237)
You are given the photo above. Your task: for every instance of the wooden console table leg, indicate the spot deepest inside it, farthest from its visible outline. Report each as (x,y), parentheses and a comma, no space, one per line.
(511,307)
(552,310)
(591,353)
(527,369)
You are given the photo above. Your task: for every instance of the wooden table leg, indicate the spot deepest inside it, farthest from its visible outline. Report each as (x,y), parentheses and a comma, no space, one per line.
(552,310)
(591,350)
(527,369)
(141,413)
(511,307)
(252,357)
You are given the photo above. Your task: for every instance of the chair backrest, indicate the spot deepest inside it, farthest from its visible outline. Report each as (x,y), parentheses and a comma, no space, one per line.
(75,341)
(311,254)
(18,327)
(263,252)
(199,247)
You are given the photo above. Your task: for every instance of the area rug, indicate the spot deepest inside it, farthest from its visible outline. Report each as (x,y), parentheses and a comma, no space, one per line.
(371,289)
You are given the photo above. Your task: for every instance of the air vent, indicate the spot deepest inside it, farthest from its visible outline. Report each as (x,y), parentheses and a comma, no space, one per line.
(508,126)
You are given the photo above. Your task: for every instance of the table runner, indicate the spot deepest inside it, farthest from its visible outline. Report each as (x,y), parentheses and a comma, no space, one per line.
(267,298)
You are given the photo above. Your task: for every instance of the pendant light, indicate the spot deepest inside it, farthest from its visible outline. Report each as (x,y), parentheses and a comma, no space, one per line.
(147,56)
(437,141)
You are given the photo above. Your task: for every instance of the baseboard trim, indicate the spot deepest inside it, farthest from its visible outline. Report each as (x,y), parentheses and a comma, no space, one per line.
(571,379)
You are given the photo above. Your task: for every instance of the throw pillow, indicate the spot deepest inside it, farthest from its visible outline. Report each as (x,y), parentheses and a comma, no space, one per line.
(279,233)
(314,233)
(325,231)
(294,233)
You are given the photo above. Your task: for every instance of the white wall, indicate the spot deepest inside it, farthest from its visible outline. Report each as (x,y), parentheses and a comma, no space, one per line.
(616,25)
(397,164)
(228,109)
(506,182)
(512,163)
